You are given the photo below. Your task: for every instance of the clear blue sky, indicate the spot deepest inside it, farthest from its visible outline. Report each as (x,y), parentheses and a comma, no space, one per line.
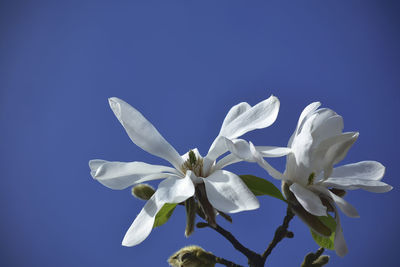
(183,64)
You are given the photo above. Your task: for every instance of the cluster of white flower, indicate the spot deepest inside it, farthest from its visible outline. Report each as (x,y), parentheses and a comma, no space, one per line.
(311,181)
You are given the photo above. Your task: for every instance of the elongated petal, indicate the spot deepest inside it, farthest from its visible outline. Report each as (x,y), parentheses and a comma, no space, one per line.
(227,160)
(143,133)
(351,184)
(120,175)
(339,242)
(366,170)
(233,113)
(305,113)
(343,205)
(227,192)
(260,116)
(264,164)
(308,199)
(171,190)
(273,151)
(241,119)
(331,151)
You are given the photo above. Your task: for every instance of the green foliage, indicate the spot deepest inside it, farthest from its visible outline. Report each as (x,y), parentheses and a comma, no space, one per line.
(261,187)
(322,241)
(164,214)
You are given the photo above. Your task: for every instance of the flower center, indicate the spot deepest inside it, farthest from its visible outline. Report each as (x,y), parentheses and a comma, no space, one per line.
(193,163)
(311,179)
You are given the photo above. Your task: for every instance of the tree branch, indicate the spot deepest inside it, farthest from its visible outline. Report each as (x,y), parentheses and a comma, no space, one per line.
(280,233)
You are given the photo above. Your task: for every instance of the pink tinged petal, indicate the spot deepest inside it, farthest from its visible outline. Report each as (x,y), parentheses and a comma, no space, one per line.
(227,192)
(308,199)
(343,205)
(120,175)
(260,116)
(143,133)
(171,190)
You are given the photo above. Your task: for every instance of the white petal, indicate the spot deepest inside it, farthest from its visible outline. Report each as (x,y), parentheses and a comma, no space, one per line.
(227,192)
(143,133)
(260,116)
(339,242)
(344,206)
(94,164)
(240,148)
(327,124)
(308,199)
(365,175)
(225,161)
(233,113)
(246,151)
(171,190)
(120,175)
(264,164)
(305,113)
(273,151)
(331,151)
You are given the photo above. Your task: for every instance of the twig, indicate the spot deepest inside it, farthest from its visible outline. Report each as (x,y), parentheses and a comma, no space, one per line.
(226,262)
(280,233)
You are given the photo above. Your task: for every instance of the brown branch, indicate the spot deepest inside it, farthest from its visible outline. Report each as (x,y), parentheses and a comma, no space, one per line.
(280,233)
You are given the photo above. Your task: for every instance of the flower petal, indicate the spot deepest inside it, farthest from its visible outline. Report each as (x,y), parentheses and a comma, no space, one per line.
(273,151)
(339,242)
(344,206)
(227,192)
(120,175)
(264,164)
(305,113)
(365,175)
(233,113)
(308,199)
(260,116)
(143,133)
(241,119)
(171,190)
(225,161)
(331,151)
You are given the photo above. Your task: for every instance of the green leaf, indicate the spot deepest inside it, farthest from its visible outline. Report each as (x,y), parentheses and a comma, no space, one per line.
(261,187)
(322,241)
(164,214)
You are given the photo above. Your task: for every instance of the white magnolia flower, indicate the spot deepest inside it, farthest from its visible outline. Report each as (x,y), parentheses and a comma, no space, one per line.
(224,190)
(316,145)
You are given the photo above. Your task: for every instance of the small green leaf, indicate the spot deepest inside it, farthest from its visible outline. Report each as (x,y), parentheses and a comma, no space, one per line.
(322,241)
(261,187)
(164,214)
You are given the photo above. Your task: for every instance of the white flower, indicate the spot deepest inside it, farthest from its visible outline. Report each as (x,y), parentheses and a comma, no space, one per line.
(317,144)
(225,190)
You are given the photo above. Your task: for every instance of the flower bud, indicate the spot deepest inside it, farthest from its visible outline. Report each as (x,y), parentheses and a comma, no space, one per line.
(190,206)
(192,256)
(143,191)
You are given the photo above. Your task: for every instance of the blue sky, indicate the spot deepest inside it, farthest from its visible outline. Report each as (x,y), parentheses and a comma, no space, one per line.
(183,64)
